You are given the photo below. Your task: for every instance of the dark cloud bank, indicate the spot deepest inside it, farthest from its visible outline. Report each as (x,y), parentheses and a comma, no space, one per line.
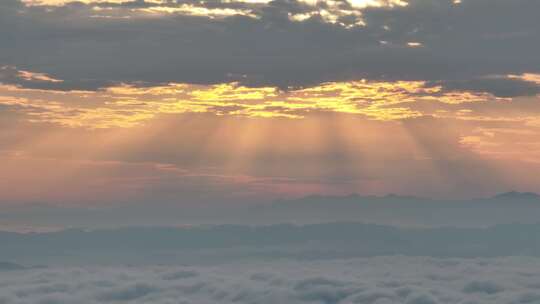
(463,45)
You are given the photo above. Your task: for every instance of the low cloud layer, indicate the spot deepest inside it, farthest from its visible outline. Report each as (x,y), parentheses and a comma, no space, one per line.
(380,280)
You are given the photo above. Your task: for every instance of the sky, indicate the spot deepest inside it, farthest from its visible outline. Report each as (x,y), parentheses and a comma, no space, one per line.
(192,102)
(269,151)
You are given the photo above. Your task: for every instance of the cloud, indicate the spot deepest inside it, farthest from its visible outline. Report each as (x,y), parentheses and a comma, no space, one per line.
(488,287)
(128,293)
(501,86)
(365,281)
(182,274)
(323,290)
(276,43)
(125,106)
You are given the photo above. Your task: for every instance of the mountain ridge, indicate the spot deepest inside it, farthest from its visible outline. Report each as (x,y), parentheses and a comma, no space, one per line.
(515,195)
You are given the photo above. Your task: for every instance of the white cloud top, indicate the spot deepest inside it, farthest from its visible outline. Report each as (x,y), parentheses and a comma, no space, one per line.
(379,280)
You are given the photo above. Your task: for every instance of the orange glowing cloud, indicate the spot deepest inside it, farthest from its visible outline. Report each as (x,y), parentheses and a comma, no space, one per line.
(128,105)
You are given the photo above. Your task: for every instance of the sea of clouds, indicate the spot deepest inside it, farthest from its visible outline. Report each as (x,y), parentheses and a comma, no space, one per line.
(376,280)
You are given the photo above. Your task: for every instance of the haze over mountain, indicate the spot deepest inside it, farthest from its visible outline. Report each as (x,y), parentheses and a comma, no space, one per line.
(504,208)
(8,266)
(226,243)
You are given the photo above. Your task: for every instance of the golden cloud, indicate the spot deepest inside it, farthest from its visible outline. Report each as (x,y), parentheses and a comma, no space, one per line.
(127,105)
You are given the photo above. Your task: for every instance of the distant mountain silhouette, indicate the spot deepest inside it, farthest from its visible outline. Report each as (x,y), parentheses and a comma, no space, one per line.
(514,195)
(8,266)
(505,208)
(391,209)
(352,200)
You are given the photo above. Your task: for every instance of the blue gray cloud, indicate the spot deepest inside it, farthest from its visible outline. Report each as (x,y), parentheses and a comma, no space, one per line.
(279,43)
(377,280)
